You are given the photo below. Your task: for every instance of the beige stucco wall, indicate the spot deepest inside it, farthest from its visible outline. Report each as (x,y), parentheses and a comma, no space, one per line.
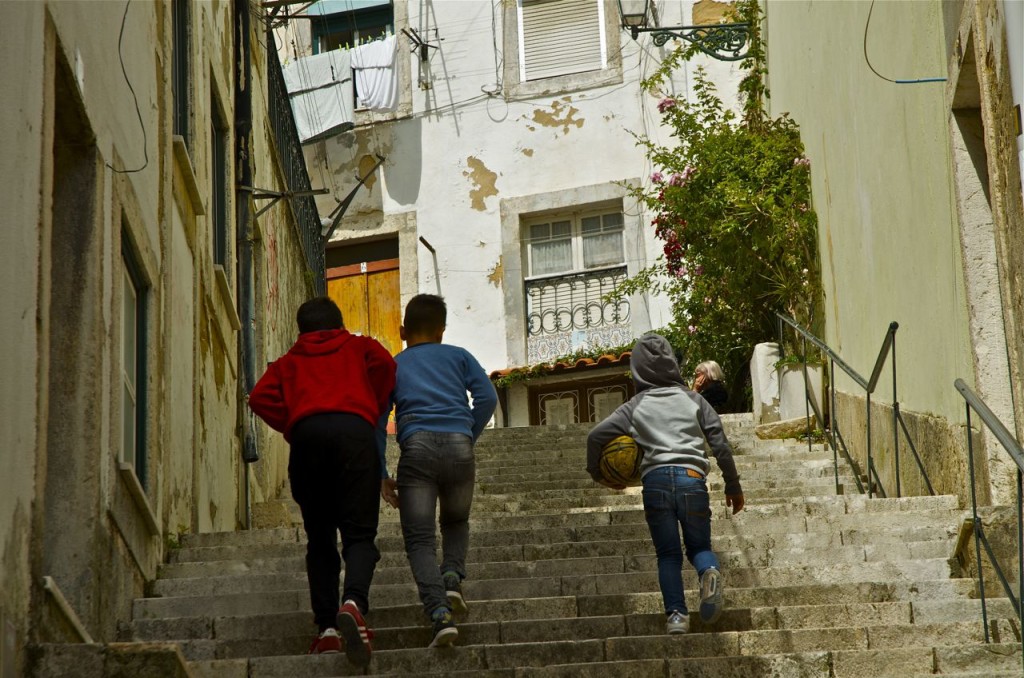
(902,234)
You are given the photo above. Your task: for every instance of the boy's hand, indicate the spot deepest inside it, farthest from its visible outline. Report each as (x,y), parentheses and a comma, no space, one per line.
(735,501)
(389,492)
(611,486)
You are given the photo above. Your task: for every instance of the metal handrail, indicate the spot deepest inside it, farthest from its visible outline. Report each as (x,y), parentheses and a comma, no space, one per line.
(1016,452)
(833,434)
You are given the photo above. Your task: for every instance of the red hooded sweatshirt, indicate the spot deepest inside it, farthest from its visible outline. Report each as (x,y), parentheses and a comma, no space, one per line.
(325,371)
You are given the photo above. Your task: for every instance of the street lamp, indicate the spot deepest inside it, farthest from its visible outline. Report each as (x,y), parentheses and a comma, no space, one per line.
(725,42)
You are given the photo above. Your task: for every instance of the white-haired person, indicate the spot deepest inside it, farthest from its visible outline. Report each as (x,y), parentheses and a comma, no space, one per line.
(709,381)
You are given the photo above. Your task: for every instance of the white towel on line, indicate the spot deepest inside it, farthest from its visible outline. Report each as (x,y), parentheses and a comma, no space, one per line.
(373,66)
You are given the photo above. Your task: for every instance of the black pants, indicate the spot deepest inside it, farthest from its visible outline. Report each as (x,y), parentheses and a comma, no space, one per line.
(335,477)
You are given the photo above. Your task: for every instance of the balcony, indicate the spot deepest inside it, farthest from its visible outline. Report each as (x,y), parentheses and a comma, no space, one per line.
(567,312)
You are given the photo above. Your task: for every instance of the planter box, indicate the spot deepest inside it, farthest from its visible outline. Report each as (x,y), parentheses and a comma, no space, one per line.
(791,390)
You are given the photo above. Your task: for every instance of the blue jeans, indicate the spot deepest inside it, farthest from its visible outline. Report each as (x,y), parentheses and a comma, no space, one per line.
(433,468)
(672,499)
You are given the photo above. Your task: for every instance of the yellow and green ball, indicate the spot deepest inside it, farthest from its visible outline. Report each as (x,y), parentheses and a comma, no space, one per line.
(620,461)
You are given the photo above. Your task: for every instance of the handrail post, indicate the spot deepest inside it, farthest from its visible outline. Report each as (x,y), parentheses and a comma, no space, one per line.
(895,418)
(977,525)
(832,419)
(807,396)
(870,487)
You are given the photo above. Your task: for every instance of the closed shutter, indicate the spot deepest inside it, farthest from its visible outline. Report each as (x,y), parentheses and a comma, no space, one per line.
(560,37)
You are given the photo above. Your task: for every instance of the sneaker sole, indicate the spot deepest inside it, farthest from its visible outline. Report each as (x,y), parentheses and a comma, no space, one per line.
(357,647)
(445,637)
(711,607)
(457,603)
(678,631)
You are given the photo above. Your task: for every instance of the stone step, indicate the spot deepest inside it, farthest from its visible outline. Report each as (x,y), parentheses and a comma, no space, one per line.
(563,457)
(753,481)
(603,575)
(571,542)
(290,633)
(558,559)
(714,647)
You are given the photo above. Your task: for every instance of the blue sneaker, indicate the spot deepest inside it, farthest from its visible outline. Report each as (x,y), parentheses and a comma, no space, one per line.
(710,595)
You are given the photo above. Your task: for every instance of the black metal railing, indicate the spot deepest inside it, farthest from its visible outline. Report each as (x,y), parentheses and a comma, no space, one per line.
(832,431)
(293,164)
(1013,448)
(572,302)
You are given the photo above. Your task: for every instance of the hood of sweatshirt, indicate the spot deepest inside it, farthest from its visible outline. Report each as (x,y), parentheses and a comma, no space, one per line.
(321,342)
(654,364)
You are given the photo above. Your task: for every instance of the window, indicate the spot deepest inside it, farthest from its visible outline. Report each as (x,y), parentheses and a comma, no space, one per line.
(133,364)
(562,244)
(347,23)
(560,37)
(180,66)
(219,176)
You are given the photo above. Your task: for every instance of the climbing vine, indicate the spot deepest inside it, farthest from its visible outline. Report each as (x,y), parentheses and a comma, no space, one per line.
(731,200)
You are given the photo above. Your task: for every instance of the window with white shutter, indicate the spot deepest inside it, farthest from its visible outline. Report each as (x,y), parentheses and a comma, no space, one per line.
(560,37)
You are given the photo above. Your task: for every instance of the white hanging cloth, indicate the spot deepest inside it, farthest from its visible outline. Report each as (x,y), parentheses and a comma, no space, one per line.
(320,90)
(374,67)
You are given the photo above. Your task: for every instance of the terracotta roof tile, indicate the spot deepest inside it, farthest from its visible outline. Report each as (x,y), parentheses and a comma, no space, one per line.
(606,360)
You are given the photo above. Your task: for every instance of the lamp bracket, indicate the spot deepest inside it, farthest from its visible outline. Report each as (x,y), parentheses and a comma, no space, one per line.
(725,42)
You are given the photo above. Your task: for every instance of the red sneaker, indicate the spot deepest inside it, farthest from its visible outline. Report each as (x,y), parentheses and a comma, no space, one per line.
(327,642)
(356,634)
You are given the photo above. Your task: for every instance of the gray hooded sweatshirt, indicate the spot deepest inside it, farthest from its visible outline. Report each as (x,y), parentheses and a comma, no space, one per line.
(669,422)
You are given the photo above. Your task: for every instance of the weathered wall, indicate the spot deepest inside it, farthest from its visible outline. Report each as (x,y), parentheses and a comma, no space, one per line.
(69,508)
(460,154)
(20,168)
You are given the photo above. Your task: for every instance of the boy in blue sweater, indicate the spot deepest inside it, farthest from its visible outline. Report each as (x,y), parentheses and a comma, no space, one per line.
(437,427)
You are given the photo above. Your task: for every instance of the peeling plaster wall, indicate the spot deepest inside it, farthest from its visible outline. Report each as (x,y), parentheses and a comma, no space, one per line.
(460,154)
(68,509)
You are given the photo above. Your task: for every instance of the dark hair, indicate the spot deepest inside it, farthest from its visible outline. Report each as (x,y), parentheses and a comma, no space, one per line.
(425,313)
(319,313)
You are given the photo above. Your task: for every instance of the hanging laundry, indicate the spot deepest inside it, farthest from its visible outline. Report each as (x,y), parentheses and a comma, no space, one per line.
(374,67)
(320,90)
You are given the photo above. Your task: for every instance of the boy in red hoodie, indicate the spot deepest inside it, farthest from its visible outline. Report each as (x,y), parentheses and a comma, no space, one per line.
(329,395)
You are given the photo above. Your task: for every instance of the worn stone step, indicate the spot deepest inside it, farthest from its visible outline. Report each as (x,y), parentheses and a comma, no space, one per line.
(961,658)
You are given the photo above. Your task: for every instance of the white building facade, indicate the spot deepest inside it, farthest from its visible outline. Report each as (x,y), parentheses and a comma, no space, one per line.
(507,160)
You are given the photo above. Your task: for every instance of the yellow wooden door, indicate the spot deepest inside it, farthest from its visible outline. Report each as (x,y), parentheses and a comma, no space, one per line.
(368,296)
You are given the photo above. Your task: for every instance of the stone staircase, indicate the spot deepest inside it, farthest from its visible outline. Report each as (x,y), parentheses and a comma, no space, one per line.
(563,582)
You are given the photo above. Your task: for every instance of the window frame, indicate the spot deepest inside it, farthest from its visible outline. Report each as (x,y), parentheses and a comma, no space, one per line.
(369,18)
(576,238)
(137,456)
(220,198)
(181,69)
(516,87)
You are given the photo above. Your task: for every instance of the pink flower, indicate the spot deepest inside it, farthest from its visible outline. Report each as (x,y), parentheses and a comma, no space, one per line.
(666,104)
(676,180)
(691,329)
(657,177)
(802,162)
(698,270)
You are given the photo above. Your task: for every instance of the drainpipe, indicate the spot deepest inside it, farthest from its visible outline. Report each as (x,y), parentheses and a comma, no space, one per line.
(243,208)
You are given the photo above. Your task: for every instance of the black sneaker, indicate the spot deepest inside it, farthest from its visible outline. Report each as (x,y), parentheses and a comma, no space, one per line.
(453,589)
(445,632)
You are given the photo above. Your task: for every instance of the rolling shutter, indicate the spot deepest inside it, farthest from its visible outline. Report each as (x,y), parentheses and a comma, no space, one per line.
(560,37)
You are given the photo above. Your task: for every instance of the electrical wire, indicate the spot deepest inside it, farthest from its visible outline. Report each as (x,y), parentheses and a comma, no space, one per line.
(867,60)
(124,72)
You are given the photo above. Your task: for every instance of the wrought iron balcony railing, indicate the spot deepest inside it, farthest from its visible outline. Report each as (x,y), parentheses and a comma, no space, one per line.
(293,164)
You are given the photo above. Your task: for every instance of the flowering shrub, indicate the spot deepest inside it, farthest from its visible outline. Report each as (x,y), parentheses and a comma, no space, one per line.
(731,204)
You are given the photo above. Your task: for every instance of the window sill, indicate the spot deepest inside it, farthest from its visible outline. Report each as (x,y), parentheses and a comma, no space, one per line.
(188,175)
(564,84)
(612,268)
(131,481)
(224,288)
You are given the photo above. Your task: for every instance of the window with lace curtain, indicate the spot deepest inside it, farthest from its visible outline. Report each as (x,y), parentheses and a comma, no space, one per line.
(574,242)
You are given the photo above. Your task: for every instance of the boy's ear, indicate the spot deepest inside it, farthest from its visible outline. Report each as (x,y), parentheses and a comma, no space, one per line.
(401,332)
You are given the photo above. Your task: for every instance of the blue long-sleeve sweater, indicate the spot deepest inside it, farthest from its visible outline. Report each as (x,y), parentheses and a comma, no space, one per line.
(430,391)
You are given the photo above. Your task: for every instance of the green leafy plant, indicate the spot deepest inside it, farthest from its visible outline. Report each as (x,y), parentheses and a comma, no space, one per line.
(731,200)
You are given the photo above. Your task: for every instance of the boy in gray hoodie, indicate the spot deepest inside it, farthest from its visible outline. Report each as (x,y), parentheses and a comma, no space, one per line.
(670,425)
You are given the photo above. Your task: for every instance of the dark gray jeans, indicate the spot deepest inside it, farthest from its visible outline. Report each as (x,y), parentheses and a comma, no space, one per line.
(435,467)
